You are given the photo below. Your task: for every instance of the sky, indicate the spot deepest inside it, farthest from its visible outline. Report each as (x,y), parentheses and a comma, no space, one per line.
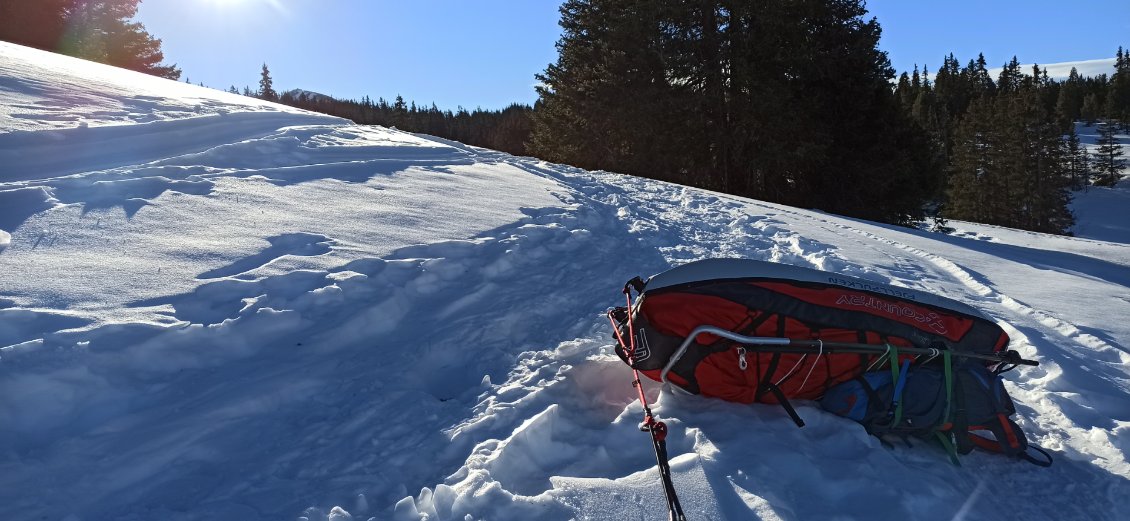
(485,53)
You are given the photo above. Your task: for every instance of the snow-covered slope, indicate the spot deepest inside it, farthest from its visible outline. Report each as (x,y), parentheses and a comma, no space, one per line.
(217,308)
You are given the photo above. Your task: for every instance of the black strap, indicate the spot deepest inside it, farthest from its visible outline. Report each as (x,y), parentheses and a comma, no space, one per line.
(875,407)
(1042,463)
(785,403)
(762,388)
(636,283)
(767,377)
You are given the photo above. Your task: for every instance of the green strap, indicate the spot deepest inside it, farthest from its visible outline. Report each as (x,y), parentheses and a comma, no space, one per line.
(948,445)
(893,353)
(945,437)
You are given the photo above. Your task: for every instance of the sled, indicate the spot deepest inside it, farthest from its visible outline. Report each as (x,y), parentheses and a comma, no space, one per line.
(753,331)
(750,331)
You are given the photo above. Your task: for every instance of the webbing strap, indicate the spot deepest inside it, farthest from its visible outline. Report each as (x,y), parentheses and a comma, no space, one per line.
(948,445)
(900,384)
(895,410)
(785,403)
(947,364)
(764,386)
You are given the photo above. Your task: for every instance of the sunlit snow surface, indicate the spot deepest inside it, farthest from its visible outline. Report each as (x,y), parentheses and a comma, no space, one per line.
(213,307)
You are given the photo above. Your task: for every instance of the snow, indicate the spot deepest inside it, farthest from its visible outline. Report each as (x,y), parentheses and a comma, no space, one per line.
(1061,71)
(213,307)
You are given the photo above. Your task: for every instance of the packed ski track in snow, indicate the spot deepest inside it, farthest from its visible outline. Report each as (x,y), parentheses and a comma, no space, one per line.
(212,307)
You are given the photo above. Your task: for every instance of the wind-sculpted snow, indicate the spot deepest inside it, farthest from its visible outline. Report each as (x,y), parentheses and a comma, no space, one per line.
(247,312)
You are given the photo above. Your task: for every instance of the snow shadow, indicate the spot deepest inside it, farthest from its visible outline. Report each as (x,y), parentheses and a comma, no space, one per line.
(131,194)
(17,205)
(299,244)
(358,171)
(23,325)
(1044,259)
(27,155)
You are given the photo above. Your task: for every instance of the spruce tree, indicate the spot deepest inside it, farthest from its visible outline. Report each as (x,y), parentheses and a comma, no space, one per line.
(1070,100)
(1108,160)
(1118,95)
(981,83)
(786,100)
(1078,163)
(971,165)
(96,30)
(1090,110)
(1010,77)
(608,101)
(266,85)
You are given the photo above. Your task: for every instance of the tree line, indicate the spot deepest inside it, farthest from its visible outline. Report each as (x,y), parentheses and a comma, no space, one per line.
(1012,152)
(507,129)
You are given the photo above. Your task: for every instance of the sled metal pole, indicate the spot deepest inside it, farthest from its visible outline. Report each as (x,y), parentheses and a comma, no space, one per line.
(774,344)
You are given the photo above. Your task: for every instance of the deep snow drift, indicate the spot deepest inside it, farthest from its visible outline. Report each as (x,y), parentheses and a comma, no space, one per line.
(217,308)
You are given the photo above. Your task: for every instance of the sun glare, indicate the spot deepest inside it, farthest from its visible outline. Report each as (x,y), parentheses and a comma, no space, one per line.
(274,4)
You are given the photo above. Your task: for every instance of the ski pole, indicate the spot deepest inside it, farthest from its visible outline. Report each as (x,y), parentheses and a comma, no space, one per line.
(657,428)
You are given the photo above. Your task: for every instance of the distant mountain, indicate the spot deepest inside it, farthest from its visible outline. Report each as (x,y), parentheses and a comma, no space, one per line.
(310,95)
(1060,71)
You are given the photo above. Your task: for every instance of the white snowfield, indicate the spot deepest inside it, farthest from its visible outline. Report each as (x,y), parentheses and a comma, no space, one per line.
(217,308)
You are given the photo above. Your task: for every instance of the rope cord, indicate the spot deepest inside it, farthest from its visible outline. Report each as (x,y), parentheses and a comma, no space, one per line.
(814,364)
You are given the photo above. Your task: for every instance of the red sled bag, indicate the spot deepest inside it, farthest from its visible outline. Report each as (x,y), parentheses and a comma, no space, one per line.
(808,307)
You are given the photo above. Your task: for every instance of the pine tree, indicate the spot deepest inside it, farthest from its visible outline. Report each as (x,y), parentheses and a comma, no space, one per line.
(97,30)
(1118,96)
(39,23)
(1090,110)
(266,86)
(787,100)
(981,83)
(1070,100)
(1078,163)
(971,165)
(1010,77)
(1108,161)
(607,102)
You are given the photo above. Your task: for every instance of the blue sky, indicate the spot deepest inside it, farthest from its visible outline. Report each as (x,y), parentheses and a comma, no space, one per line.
(484,53)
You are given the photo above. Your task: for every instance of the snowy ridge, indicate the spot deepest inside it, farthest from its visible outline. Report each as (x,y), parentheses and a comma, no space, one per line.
(251,312)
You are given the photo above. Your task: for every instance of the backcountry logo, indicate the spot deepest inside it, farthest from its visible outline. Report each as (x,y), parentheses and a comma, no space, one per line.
(873,287)
(643,351)
(931,320)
